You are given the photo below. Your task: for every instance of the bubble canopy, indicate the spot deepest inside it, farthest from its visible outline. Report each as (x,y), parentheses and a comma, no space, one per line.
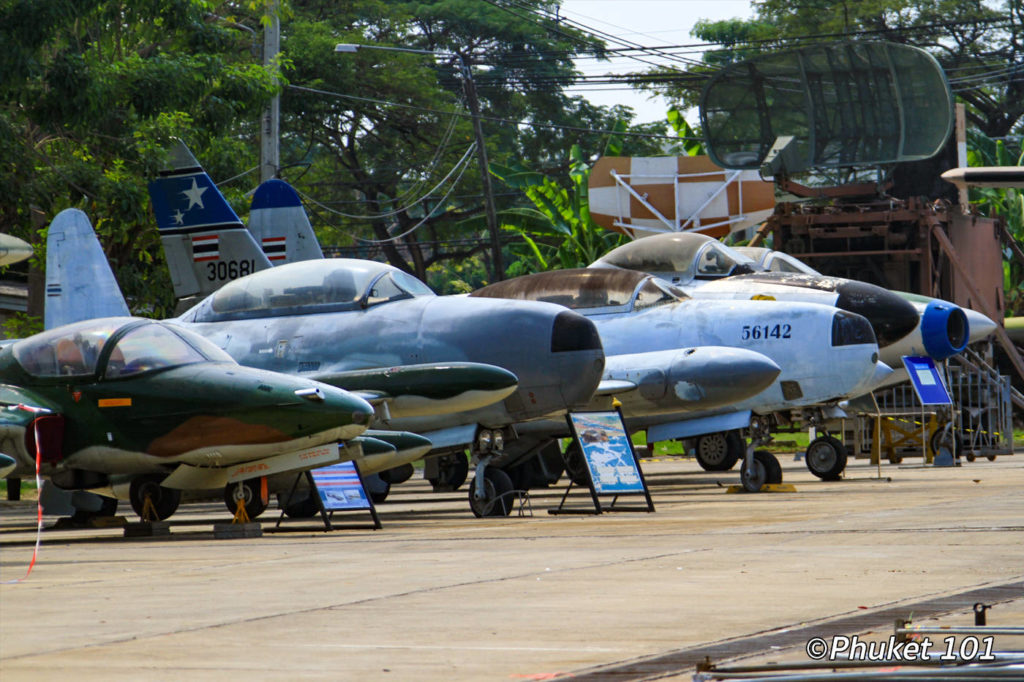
(81,349)
(309,287)
(845,104)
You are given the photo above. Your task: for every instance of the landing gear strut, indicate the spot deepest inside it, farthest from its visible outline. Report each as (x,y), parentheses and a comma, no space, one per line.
(760,467)
(162,502)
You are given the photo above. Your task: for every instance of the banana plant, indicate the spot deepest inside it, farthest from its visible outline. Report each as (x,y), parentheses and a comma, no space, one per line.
(558,231)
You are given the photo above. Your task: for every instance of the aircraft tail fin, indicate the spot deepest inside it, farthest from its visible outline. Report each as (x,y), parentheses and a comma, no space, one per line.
(280,224)
(79,282)
(205,243)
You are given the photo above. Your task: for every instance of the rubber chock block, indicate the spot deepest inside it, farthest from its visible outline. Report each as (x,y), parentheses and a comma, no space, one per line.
(233,531)
(147,529)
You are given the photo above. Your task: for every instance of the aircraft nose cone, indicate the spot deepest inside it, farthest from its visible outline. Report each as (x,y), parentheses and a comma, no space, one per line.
(981,326)
(890,316)
(724,375)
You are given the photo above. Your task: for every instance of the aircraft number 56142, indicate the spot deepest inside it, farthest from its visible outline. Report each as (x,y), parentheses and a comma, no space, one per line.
(229,269)
(766,331)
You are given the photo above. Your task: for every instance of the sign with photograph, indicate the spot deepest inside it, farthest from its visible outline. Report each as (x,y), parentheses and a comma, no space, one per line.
(340,487)
(608,452)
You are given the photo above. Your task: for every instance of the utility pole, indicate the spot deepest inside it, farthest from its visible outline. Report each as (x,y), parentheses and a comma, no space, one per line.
(469,86)
(270,121)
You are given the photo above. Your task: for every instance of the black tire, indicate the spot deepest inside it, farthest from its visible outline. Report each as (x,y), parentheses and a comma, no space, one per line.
(719,451)
(767,470)
(303,509)
(165,500)
(377,488)
(576,465)
(495,501)
(452,471)
(108,508)
(826,458)
(398,475)
(251,491)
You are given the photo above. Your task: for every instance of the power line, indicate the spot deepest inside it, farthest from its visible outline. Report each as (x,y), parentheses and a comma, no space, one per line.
(495,119)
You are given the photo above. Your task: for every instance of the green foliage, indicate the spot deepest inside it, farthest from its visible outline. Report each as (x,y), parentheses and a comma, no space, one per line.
(91,95)
(20,325)
(559,233)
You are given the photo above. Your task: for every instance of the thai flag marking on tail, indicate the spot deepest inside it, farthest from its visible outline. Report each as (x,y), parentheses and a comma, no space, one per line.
(205,247)
(276,248)
(53,289)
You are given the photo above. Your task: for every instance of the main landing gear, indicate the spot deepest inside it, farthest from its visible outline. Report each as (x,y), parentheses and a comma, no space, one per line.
(150,500)
(760,467)
(826,458)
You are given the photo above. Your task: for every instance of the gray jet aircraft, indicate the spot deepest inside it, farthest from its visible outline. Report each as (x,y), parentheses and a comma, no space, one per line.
(825,354)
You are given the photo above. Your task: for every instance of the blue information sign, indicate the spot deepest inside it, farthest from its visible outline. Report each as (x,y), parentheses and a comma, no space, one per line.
(340,488)
(927,380)
(608,452)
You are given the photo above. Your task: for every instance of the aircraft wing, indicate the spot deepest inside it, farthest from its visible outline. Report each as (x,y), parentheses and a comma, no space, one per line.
(79,282)
(427,388)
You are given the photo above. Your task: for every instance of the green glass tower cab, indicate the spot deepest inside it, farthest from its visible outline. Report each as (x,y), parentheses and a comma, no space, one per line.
(827,106)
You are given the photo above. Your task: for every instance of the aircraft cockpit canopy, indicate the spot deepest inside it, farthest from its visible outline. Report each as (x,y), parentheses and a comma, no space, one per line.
(594,290)
(776,261)
(687,256)
(310,287)
(77,350)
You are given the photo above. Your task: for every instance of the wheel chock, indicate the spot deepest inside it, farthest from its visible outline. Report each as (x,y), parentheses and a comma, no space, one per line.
(234,531)
(147,529)
(766,488)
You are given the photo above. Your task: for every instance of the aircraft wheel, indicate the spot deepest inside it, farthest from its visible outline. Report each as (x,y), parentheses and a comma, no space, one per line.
(251,492)
(826,458)
(495,502)
(165,500)
(108,508)
(304,509)
(576,465)
(766,470)
(719,451)
(452,471)
(397,475)
(377,488)
(990,458)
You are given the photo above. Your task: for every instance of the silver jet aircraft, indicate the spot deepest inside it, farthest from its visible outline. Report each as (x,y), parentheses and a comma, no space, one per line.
(705,268)
(825,354)
(657,382)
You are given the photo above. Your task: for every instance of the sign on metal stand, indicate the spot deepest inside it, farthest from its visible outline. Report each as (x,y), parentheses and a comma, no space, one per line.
(610,464)
(931,390)
(338,487)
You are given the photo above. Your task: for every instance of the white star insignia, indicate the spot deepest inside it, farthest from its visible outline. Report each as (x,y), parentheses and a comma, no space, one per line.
(179,218)
(194,195)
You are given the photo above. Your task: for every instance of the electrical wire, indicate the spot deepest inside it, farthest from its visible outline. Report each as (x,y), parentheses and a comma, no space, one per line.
(428,216)
(388,214)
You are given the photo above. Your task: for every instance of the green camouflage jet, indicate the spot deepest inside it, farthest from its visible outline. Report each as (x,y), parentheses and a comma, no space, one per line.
(128,402)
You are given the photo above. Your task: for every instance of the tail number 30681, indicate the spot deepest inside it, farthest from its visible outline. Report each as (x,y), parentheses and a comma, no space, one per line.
(229,269)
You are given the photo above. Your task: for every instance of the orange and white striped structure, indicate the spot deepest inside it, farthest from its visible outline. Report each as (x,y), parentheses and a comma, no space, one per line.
(646,195)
